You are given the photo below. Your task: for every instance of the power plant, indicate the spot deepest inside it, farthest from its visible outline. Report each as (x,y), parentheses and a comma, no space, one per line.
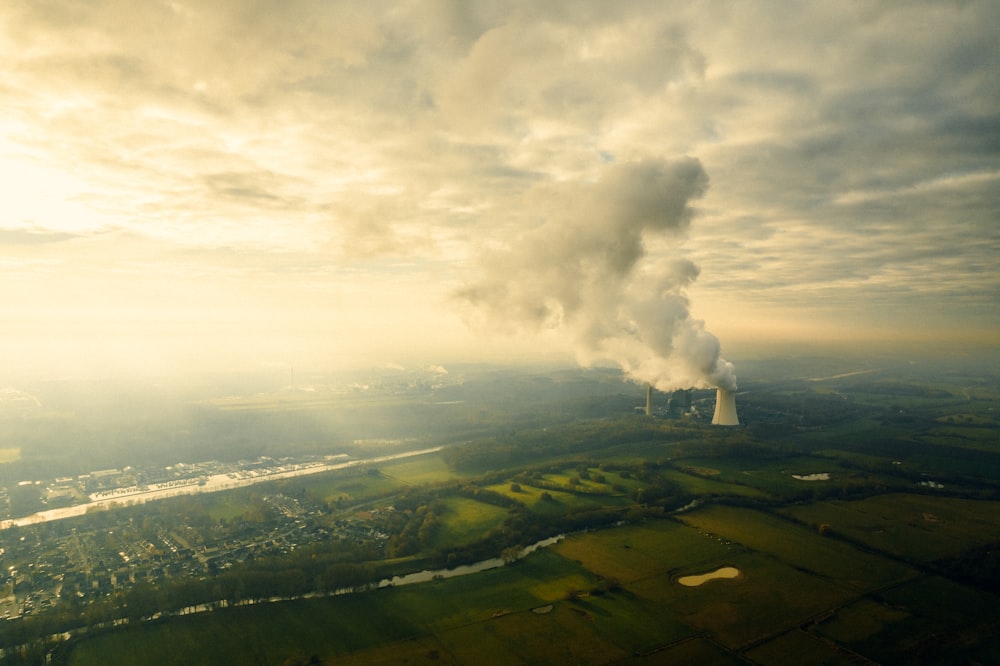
(725,408)
(679,403)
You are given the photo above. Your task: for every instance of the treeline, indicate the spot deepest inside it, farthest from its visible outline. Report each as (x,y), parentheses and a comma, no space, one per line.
(517,449)
(979,567)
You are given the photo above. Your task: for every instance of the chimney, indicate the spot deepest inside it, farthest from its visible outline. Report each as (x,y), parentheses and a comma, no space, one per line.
(725,408)
(649,399)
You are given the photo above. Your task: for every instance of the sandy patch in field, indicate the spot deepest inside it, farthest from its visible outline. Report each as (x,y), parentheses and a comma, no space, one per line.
(722,573)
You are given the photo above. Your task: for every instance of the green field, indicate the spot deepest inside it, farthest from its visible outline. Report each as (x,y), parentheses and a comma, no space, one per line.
(921,527)
(941,621)
(255,634)
(605,596)
(637,552)
(775,477)
(420,469)
(803,548)
(465,520)
(701,485)
(357,485)
(487,617)
(798,647)
(271,633)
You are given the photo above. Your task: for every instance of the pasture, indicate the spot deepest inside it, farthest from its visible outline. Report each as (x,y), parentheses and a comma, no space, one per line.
(353,485)
(224,506)
(418,470)
(267,633)
(465,520)
(797,647)
(636,552)
(605,596)
(698,484)
(801,547)
(559,502)
(774,477)
(920,528)
(930,618)
(335,626)
(647,559)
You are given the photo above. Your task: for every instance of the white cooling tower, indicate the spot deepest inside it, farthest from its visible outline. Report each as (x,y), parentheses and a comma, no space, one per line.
(725,408)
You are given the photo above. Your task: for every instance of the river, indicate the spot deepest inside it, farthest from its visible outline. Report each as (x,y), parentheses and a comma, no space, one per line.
(463,569)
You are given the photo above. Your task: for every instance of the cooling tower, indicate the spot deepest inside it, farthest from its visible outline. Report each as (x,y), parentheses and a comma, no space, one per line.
(725,408)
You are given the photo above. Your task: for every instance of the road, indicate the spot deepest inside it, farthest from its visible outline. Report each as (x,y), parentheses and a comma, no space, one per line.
(214,483)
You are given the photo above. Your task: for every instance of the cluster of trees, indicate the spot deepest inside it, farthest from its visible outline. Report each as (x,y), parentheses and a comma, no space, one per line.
(521,448)
(412,530)
(979,567)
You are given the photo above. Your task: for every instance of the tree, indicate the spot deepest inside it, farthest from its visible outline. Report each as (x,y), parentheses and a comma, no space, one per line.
(511,554)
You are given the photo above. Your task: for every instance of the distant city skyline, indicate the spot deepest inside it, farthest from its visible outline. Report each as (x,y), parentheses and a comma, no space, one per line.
(316,184)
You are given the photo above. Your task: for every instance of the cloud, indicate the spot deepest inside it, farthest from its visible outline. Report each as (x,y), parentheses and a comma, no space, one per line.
(32,236)
(851,149)
(582,269)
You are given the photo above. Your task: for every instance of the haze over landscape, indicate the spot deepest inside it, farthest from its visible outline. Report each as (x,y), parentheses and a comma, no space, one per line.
(227,185)
(473,332)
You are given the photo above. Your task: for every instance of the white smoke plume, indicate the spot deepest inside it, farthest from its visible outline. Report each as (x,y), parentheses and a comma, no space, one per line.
(584,268)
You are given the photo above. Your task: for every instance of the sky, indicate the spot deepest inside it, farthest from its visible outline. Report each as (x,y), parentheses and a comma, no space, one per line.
(310,183)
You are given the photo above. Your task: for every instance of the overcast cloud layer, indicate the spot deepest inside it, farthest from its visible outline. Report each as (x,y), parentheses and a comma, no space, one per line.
(314,182)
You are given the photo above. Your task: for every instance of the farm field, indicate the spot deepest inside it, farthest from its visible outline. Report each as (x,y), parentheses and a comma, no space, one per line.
(355,487)
(418,470)
(700,485)
(559,500)
(464,520)
(921,527)
(803,548)
(928,620)
(775,477)
(638,552)
(609,596)
(800,647)
(387,478)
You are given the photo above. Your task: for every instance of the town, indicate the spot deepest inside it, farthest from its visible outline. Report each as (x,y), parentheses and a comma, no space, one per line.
(102,551)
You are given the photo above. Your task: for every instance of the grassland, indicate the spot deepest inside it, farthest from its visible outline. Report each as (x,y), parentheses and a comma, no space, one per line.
(465,520)
(698,484)
(366,483)
(921,527)
(925,620)
(773,477)
(613,597)
(800,547)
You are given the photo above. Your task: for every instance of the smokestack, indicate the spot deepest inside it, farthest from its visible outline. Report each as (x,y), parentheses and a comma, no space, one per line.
(649,399)
(725,408)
